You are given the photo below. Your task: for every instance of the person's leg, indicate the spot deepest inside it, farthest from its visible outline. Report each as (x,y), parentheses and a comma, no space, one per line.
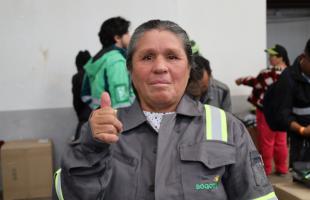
(296,146)
(280,152)
(265,140)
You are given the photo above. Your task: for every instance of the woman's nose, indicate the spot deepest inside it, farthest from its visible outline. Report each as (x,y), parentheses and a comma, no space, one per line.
(160,66)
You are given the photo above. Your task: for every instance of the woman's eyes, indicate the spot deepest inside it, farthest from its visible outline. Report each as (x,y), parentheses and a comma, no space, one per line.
(172,57)
(169,57)
(147,57)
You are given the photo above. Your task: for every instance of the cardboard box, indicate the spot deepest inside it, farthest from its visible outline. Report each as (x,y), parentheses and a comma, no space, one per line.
(292,191)
(27,169)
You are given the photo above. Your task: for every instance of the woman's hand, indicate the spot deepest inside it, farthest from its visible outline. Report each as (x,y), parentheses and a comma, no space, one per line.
(104,123)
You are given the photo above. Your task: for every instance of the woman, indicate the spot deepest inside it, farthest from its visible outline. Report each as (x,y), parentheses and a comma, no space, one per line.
(168,148)
(272,144)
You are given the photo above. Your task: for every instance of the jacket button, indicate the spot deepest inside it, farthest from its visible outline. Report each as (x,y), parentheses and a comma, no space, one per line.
(155,150)
(151,188)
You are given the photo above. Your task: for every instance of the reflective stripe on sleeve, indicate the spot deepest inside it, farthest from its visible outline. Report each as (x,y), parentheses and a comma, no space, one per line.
(216,124)
(58,184)
(270,196)
(301,111)
(208,123)
(86,98)
(224,126)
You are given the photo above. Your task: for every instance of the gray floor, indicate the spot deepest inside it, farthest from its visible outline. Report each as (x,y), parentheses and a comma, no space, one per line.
(274,179)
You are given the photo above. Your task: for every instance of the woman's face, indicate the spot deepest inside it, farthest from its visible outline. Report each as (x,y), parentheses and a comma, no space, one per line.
(274,60)
(160,70)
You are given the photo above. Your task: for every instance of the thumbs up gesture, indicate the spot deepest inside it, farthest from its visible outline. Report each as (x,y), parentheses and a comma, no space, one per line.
(104,123)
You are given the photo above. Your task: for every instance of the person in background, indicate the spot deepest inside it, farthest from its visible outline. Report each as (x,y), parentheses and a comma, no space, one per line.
(82,110)
(166,145)
(293,94)
(107,71)
(272,144)
(211,91)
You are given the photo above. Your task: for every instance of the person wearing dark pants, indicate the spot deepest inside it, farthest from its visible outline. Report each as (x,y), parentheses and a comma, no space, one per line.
(82,110)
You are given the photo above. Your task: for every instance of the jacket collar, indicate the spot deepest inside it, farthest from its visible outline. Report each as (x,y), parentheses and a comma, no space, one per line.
(189,107)
(133,115)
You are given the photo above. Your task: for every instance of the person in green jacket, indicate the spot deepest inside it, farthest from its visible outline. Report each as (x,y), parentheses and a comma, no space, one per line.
(107,71)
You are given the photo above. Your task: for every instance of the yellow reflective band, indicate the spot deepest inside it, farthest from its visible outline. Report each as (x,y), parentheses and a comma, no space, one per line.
(272,52)
(208,123)
(224,126)
(58,184)
(270,196)
(216,124)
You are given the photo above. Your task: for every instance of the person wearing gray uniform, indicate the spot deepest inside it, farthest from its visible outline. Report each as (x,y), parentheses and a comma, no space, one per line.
(213,91)
(166,145)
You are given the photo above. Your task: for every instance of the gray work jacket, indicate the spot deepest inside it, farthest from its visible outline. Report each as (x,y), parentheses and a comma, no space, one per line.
(218,95)
(180,162)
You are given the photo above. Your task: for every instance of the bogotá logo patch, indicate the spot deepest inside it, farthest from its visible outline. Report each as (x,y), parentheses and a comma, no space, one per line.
(208,186)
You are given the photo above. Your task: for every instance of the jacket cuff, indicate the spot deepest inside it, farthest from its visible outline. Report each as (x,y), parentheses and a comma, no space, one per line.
(87,140)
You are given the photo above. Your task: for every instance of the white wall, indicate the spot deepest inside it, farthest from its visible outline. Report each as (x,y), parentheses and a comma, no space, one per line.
(40,38)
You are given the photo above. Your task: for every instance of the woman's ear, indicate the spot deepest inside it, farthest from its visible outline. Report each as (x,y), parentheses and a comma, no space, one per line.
(117,39)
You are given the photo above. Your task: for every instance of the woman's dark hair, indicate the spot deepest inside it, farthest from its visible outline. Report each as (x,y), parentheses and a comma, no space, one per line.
(158,25)
(116,26)
(282,53)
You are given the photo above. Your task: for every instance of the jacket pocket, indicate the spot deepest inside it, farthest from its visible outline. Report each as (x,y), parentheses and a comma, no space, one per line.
(257,166)
(202,167)
(80,163)
(124,177)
